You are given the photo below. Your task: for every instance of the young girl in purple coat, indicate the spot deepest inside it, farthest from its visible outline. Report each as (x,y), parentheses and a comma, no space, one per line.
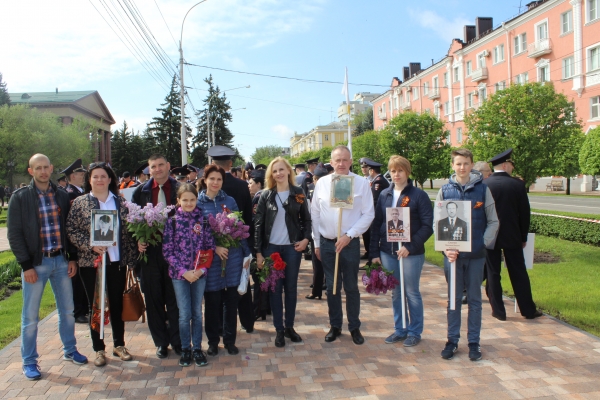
(183,236)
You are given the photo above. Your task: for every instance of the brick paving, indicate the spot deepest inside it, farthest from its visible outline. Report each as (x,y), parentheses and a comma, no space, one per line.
(540,358)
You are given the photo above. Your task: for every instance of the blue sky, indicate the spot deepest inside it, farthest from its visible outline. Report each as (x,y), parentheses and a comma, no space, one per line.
(67,44)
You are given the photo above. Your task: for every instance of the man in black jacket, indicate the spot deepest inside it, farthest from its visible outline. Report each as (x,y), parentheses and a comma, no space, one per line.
(37,216)
(161,304)
(512,206)
(238,189)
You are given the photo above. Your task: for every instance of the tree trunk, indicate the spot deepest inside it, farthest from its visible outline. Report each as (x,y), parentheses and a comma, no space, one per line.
(431,183)
(568,186)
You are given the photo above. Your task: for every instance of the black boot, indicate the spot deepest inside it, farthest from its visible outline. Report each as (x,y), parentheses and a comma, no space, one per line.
(280,339)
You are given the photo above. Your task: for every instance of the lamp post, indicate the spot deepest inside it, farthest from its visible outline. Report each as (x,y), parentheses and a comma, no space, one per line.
(182,91)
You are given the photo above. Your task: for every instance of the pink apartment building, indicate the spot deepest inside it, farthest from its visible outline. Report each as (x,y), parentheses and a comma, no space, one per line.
(554,40)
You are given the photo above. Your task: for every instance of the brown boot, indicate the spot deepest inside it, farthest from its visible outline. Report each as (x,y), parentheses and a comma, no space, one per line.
(100,360)
(122,353)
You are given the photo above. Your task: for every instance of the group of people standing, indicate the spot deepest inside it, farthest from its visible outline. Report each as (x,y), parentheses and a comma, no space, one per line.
(49,234)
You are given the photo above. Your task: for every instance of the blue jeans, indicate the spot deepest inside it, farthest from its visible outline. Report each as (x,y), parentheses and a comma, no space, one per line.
(189,301)
(55,269)
(289,284)
(469,275)
(348,275)
(413,265)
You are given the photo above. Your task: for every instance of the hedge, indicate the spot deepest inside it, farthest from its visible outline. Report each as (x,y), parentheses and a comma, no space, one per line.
(574,230)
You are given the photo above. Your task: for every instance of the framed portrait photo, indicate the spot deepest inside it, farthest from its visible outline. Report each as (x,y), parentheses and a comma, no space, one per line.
(452,220)
(342,191)
(398,224)
(103,228)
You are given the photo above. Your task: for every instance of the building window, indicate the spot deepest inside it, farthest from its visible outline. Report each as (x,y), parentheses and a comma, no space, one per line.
(482,95)
(456,75)
(407,96)
(436,110)
(457,104)
(595,101)
(480,60)
(568,68)
(435,83)
(448,139)
(498,54)
(500,86)
(594,59)
(445,79)
(459,137)
(469,68)
(592,10)
(425,88)
(326,137)
(470,101)
(395,102)
(522,79)
(544,73)
(447,108)
(520,43)
(541,31)
(415,92)
(566,22)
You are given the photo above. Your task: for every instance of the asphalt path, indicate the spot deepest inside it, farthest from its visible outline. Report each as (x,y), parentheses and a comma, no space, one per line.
(582,205)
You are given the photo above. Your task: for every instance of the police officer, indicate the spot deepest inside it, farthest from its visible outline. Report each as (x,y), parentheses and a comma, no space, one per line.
(180,174)
(378,183)
(142,173)
(192,176)
(260,166)
(75,174)
(308,177)
(238,189)
(512,206)
(300,170)
(364,169)
(62,182)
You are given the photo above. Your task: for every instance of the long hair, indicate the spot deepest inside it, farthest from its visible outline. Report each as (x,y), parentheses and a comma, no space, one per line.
(270,181)
(207,171)
(113,186)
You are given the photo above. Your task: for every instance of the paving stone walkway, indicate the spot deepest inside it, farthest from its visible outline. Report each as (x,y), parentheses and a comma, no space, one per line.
(540,358)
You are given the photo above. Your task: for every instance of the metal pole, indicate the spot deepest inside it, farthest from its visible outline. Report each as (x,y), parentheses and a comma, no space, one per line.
(208,130)
(182,93)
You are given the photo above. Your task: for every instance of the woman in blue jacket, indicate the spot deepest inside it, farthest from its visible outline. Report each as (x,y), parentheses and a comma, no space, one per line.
(402,193)
(212,200)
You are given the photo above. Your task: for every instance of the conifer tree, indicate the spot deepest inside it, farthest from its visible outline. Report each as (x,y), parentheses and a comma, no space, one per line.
(4,98)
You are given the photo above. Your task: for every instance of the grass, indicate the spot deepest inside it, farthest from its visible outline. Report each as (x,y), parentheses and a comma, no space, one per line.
(567,214)
(10,314)
(566,290)
(562,194)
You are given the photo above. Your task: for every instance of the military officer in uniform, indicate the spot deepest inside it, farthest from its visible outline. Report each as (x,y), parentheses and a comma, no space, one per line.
(512,206)
(75,174)
(142,173)
(260,166)
(238,189)
(192,176)
(300,170)
(308,177)
(378,183)
(62,182)
(364,169)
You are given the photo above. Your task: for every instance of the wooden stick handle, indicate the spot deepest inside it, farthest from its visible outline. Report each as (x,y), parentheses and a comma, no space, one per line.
(337,255)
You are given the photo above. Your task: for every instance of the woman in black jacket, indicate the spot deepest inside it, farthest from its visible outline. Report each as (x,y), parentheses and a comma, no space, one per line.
(282,224)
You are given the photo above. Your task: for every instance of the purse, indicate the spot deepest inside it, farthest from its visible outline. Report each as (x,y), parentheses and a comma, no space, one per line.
(133,301)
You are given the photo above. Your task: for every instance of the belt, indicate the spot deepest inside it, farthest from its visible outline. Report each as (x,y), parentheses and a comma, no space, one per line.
(51,253)
(330,240)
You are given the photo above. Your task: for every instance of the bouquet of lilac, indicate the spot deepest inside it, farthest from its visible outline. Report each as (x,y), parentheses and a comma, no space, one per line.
(378,280)
(147,224)
(228,230)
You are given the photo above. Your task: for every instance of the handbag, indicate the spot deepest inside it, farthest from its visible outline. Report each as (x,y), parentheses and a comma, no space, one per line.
(133,301)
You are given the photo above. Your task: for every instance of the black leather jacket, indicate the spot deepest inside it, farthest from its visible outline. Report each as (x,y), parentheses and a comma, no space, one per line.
(297,217)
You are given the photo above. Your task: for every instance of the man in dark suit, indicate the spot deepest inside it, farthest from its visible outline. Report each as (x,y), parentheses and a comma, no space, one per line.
(238,189)
(452,228)
(104,231)
(512,206)
(395,225)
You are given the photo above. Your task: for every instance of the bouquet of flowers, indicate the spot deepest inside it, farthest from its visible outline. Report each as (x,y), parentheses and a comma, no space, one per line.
(378,280)
(228,230)
(273,269)
(147,224)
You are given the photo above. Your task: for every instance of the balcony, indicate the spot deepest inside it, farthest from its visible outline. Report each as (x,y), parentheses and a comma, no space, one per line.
(382,116)
(539,48)
(434,94)
(406,106)
(479,74)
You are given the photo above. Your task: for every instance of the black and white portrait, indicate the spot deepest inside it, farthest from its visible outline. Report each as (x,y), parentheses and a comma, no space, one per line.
(453,225)
(103,228)
(398,224)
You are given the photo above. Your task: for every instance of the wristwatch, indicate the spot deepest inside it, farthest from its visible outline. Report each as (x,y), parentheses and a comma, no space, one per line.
(349,235)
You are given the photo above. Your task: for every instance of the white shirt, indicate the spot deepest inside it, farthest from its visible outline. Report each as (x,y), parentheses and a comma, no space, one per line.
(396,196)
(355,221)
(113,251)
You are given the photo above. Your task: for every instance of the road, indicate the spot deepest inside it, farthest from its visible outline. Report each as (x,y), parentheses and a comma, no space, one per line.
(582,205)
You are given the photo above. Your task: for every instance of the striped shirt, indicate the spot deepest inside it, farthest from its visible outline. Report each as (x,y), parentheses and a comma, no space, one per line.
(49,213)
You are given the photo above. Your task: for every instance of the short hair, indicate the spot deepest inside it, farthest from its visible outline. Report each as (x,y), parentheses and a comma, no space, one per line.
(259,179)
(222,163)
(126,174)
(104,218)
(480,165)
(462,152)
(209,169)
(157,156)
(269,174)
(451,202)
(341,147)
(186,188)
(36,157)
(399,162)
(376,169)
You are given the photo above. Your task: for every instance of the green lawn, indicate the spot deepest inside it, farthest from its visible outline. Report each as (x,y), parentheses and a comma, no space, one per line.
(561,194)
(567,214)
(567,290)
(10,314)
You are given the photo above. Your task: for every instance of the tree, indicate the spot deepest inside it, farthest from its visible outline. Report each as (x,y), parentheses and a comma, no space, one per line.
(128,151)
(166,129)
(264,154)
(589,156)
(565,158)
(368,145)
(219,107)
(532,119)
(4,97)
(324,155)
(420,139)
(363,122)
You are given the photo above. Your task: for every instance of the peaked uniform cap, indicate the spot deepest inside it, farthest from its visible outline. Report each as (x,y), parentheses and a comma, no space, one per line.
(77,166)
(221,153)
(502,157)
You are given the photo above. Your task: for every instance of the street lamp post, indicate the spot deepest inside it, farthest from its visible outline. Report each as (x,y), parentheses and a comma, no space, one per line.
(208,122)
(182,91)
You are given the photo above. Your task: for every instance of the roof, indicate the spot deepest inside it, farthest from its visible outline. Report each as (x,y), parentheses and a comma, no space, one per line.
(49,97)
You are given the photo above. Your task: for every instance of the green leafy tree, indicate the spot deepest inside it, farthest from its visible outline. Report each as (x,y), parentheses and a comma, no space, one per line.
(362,122)
(589,156)
(128,150)
(264,154)
(420,139)
(220,116)
(565,158)
(166,128)
(324,155)
(532,119)
(4,97)
(369,145)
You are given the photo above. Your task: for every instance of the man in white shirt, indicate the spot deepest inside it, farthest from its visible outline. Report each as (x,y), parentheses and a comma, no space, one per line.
(355,222)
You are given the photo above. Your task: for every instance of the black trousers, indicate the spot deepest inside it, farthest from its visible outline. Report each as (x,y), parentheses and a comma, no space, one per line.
(213,312)
(367,241)
(115,285)
(80,300)
(517,272)
(246,309)
(161,304)
(318,275)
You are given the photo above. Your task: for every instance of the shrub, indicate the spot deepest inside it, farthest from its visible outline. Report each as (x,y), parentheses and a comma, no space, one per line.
(9,271)
(566,229)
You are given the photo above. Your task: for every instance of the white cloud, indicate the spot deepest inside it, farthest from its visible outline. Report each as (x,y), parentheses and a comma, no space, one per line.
(282,131)
(446,28)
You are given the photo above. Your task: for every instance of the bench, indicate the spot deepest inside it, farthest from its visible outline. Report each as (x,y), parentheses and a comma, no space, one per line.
(555,185)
